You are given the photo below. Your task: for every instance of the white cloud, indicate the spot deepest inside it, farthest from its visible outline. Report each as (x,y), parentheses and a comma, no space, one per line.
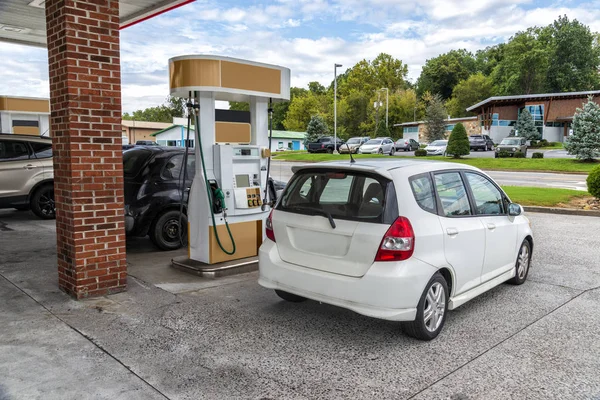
(325,32)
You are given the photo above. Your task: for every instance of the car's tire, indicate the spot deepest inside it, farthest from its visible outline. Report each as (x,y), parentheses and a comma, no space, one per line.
(292,298)
(21,208)
(522,264)
(42,202)
(380,151)
(165,232)
(431,310)
(496,155)
(392,152)
(329,151)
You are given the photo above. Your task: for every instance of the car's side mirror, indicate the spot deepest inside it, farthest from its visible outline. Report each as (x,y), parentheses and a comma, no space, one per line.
(514,209)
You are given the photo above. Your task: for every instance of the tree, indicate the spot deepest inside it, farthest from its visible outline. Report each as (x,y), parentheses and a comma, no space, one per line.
(171,108)
(476,88)
(524,65)
(435,119)
(316,88)
(316,128)
(302,108)
(487,59)
(382,130)
(458,143)
(574,57)
(369,76)
(525,126)
(239,105)
(585,141)
(442,73)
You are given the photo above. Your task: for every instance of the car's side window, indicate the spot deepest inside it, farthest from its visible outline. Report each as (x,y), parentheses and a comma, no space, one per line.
(172,169)
(42,150)
(337,190)
(488,199)
(452,194)
(12,150)
(423,192)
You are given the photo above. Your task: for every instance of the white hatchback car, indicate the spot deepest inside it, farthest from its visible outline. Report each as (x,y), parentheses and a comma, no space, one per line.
(403,240)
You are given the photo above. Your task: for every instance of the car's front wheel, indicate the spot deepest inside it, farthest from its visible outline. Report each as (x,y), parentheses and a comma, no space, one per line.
(522,264)
(380,151)
(166,233)
(42,202)
(431,310)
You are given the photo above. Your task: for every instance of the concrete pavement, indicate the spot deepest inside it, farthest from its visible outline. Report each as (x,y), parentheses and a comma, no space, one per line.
(282,170)
(178,336)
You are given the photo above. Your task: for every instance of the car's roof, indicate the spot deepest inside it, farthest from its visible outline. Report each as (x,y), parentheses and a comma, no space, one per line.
(25,137)
(385,166)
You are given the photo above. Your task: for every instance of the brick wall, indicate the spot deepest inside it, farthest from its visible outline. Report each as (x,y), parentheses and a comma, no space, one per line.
(85,99)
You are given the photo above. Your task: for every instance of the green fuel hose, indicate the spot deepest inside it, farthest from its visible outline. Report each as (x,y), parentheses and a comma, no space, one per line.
(218,194)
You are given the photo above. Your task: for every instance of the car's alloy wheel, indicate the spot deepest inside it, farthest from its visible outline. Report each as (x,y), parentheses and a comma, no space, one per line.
(166,232)
(522,264)
(431,310)
(42,202)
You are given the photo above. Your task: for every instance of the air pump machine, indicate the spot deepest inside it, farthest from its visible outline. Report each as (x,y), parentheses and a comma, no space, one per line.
(226,213)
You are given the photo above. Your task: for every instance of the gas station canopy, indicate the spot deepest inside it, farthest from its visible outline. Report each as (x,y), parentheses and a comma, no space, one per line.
(24,21)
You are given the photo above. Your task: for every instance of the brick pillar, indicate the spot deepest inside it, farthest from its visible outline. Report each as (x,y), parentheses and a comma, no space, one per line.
(85,124)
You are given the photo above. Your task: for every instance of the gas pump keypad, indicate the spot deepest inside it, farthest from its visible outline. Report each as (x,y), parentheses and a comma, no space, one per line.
(247,197)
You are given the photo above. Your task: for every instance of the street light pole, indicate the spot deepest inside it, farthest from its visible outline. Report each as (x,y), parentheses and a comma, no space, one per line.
(335,67)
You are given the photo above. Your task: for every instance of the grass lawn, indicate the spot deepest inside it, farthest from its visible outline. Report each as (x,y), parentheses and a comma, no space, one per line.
(498,164)
(545,197)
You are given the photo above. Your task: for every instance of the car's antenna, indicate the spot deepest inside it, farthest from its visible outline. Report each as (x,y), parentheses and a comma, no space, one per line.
(350,152)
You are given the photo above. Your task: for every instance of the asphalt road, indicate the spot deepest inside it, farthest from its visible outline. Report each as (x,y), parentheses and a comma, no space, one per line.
(281,170)
(177,336)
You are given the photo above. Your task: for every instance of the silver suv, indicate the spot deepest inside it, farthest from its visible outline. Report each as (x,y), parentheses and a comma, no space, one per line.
(26,174)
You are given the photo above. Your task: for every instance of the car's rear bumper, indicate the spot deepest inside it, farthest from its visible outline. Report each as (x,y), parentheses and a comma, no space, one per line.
(387,291)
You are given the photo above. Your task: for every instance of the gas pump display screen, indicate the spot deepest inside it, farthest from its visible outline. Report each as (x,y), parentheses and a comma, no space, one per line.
(242,181)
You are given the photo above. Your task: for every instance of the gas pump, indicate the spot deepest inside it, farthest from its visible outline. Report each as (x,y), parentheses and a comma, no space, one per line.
(226,208)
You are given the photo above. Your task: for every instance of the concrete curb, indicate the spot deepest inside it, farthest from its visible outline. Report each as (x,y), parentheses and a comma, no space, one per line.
(565,211)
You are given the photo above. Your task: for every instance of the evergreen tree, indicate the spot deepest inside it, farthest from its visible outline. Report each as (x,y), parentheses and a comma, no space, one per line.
(458,143)
(316,128)
(382,130)
(435,119)
(525,126)
(585,141)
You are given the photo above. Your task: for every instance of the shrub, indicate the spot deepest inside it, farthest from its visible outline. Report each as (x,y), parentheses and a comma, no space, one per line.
(503,154)
(519,154)
(543,143)
(593,182)
(420,153)
(533,143)
(537,155)
(458,143)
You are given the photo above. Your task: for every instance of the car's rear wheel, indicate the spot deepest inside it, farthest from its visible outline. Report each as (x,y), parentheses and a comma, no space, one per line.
(165,233)
(392,151)
(522,264)
(431,310)
(42,202)
(330,151)
(293,298)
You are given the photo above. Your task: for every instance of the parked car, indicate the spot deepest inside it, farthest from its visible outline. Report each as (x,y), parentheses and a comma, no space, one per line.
(27,174)
(146,143)
(437,148)
(404,241)
(325,144)
(511,145)
(377,146)
(352,145)
(481,142)
(152,176)
(406,145)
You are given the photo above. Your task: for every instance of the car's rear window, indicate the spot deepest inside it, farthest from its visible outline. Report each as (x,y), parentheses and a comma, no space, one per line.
(134,160)
(343,194)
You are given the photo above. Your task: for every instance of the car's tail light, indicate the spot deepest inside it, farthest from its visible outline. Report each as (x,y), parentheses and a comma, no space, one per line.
(322,146)
(269,227)
(398,242)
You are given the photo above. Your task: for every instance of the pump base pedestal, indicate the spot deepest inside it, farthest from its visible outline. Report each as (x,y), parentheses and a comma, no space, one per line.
(227,268)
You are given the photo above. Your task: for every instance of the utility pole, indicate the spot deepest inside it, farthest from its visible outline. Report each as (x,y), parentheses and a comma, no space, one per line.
(387,105)
(335,67)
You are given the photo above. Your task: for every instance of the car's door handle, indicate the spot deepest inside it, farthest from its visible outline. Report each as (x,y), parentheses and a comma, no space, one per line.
(491,226)
(452,231)
(29,166)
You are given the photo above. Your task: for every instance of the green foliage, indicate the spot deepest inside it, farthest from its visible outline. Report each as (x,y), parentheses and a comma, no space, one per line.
(503,154)
(467,92)
(382,130)
(537,155)
(458,143)
(420,153)
(525,126)
(519,154)
(435,119)
(301,110)
(239,105)
(316,128)
(442,73)
(574,57)
(585,141)
(171,108)
(487,59)
(593,182)
(316,88)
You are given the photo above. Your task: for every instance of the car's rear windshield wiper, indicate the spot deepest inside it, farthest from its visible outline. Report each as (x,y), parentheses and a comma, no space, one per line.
(315,211)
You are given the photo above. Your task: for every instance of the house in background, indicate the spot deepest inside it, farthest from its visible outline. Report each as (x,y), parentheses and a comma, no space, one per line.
(288,140)
(24,115)
(552,113)
(416,130)
(140,130)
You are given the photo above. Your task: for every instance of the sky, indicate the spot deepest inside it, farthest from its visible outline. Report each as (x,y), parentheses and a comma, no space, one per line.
(307,36)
